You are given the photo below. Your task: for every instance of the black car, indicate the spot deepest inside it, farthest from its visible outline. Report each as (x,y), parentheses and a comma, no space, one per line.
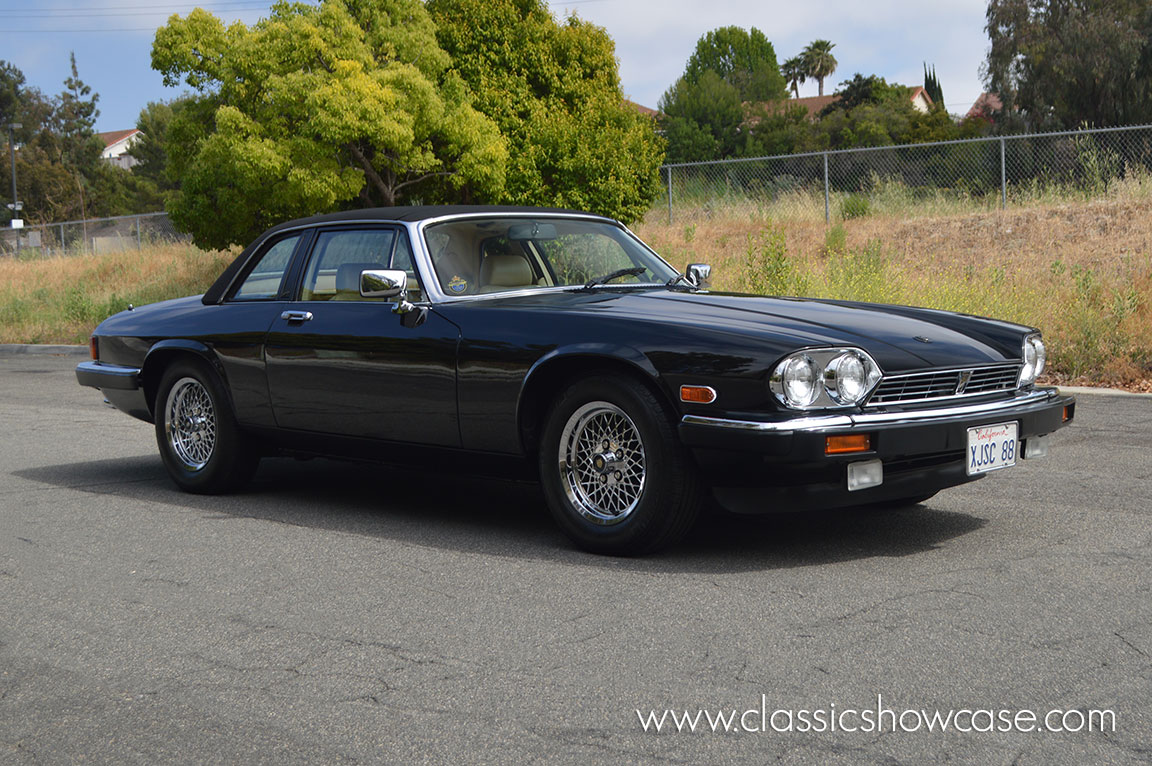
(558,341)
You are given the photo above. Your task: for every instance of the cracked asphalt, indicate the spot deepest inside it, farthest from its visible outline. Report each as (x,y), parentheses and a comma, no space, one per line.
(336,613)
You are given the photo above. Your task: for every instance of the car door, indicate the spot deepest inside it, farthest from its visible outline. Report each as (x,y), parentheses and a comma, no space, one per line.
(339,363)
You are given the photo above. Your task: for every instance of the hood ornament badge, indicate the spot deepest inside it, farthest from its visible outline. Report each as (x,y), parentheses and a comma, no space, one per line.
(921,338)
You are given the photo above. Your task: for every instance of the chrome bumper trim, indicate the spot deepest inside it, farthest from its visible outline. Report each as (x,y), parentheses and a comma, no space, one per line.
(865,420)
(101,375)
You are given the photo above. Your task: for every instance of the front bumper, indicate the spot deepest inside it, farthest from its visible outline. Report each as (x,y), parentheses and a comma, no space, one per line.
(759,466)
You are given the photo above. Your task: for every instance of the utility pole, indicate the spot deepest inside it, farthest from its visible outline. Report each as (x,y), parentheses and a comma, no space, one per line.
(12,128)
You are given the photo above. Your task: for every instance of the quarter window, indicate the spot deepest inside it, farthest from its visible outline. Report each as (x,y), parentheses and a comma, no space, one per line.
(264,280)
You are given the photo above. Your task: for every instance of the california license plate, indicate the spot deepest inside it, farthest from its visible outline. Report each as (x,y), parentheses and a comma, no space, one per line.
(991,448)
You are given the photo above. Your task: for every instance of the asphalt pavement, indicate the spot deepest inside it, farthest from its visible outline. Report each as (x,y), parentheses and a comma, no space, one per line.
(339,613)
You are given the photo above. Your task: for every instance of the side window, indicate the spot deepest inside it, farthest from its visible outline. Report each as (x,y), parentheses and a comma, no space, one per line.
(338,257)
(263,281)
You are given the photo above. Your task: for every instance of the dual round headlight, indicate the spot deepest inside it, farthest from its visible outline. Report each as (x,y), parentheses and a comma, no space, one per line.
(1034,358)
(835,377)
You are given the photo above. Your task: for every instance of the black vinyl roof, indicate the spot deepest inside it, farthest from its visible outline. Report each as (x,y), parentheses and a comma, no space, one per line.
(418,213)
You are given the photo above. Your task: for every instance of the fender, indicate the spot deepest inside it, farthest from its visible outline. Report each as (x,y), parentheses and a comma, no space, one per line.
(172,346)
(619,354)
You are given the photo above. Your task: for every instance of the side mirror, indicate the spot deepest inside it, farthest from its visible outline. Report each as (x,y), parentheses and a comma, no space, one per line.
(383,283)
(698,274)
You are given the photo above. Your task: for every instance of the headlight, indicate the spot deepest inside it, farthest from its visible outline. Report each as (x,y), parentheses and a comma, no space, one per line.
(825,377)
(800,379)
(1034,358)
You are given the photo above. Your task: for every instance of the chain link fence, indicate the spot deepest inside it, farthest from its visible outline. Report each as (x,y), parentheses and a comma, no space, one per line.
(915,179)
(96,235)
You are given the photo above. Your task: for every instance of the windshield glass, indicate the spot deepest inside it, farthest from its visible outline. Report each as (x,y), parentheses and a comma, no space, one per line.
(490,255)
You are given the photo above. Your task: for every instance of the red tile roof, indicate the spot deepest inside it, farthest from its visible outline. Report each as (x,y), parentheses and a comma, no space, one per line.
(116,136)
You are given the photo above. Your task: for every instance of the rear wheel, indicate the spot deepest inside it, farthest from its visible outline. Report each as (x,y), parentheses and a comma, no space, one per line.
(203,449)
(615,475)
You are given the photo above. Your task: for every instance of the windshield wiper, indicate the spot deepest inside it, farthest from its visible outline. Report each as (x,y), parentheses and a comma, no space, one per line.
(675,283)
(635,271)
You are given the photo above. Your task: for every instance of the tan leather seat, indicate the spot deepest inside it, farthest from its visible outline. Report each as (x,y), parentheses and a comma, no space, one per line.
(348,281)
(505,272)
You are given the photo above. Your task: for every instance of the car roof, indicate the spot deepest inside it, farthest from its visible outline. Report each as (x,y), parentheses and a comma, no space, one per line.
(409,214)
(400,214)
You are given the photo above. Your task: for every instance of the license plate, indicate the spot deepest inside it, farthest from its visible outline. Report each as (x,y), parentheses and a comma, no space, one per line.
(991,448)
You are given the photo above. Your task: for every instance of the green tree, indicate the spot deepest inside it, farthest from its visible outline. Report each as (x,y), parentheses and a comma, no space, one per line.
(932,87)
(316,108)
(1063,63)
(819,61)
(702,120)
(795,73)
(742,58)
(554,90)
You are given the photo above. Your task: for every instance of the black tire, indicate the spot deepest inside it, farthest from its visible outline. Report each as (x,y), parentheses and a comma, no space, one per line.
(203,449)
(636,495)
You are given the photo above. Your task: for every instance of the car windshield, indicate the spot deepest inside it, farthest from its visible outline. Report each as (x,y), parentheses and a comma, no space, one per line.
(490,255)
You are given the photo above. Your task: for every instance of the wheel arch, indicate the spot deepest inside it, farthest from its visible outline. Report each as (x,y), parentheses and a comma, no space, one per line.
(562,366)
(162,354)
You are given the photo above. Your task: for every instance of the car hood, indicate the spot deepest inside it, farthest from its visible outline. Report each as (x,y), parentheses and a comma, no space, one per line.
(898,337)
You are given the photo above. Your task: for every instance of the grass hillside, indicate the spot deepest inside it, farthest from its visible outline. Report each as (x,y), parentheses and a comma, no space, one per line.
(60,300)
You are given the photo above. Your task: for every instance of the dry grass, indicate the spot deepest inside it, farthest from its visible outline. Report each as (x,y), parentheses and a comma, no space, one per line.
(60,300)
(1082,272)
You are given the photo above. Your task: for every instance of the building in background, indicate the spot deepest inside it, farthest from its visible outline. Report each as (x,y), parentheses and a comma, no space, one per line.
(116,146)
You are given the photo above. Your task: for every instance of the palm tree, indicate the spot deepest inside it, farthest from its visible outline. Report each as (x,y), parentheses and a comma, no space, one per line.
(819,61)
(795,72)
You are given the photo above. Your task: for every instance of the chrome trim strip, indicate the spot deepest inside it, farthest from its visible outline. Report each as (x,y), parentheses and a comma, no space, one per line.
(103,375)
(865,420)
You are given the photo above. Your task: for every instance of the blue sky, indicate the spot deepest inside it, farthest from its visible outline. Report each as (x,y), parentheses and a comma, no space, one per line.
(892,38)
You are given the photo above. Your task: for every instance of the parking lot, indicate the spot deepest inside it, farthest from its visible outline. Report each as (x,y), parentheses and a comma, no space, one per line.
(340,613)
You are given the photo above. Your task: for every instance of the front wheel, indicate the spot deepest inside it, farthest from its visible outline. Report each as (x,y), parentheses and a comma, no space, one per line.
(615,475)
(203,449)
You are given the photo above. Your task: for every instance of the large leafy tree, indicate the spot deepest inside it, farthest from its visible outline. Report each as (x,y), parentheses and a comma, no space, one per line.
(554,90)
(819,61)
(1062,63)
(703,111)
(316,108)
(741,57)
(702,120)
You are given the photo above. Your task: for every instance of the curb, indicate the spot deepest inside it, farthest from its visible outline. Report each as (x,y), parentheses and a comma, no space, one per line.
(42,350)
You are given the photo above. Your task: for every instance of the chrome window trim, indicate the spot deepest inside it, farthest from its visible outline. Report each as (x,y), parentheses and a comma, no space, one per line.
(432,285)
(865,420)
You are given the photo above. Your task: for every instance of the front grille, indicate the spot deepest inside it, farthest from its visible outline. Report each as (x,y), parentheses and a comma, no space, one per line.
(945,384)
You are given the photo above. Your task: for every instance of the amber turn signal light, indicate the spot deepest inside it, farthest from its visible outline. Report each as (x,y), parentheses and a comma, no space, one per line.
(842,445)
(94,348)
(697,394)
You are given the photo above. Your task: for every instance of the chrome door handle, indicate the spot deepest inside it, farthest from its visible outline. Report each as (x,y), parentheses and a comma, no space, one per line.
(296,316)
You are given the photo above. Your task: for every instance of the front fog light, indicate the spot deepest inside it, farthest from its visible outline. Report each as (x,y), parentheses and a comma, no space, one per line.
(865,474)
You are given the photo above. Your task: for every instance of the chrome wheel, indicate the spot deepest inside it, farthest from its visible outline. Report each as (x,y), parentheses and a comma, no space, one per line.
(601,460)
(190,423)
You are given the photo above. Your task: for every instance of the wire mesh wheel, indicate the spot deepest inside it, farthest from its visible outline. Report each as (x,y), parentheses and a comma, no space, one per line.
(190,423)
(602,463)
